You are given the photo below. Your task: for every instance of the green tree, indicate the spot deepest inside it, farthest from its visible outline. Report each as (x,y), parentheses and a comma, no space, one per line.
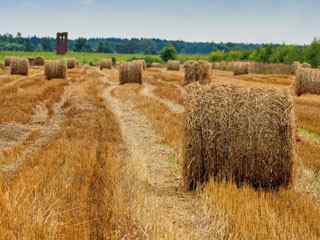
(80,44)
(312,53)
(217,56)
(104,47)
(168,52)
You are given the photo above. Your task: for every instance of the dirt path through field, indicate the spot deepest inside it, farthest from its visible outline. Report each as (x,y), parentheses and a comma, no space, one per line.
(160,209)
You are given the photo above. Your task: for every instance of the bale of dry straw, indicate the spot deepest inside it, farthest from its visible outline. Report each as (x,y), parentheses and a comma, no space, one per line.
(238,134)
(240,68)
(307,81)
(38,61)
(7,61)
(266,68)
(142,63)
(173,65)
(55,69)
(130,73)
(197,71)
(72,63)
(105,63)
(19,66)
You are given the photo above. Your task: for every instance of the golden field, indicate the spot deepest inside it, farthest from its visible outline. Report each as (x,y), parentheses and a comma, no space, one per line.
(87,158)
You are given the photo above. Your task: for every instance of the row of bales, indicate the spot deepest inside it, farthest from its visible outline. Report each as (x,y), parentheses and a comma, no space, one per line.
(239,68)
(231,133)
(52,68)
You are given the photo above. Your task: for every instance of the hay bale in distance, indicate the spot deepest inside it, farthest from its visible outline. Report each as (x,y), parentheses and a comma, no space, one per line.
(240,68)
(72,63)
(105,64)
(55,69)
(19,66)
(173,65)
(130,73)
(197,71)
(38,61)
(7,61)
(239,134)
(307,81)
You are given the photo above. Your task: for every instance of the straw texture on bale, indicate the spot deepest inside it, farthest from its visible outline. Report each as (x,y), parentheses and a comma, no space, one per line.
(295,66)
(55,69)
(173,65)
(238,134)
(307,81)
(38,61)
(72,63)
(7,61)
(240,68)
(130,73)
(19,66)
(142,63)
(105,64)
(197,71)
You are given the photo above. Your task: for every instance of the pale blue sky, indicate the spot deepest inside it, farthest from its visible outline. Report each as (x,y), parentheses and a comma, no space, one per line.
(191,20)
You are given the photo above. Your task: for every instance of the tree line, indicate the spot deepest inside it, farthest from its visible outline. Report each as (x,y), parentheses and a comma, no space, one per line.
(274,54)
(8,42)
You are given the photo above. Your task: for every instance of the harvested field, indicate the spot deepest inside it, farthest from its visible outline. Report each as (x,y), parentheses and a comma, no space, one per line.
(93,159)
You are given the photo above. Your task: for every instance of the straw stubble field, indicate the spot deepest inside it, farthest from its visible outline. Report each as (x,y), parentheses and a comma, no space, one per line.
(87,158)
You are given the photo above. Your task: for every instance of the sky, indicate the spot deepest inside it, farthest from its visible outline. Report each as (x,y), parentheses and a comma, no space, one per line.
(249,21)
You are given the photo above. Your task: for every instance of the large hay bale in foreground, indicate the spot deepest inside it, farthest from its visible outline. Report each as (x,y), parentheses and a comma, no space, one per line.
(239,134)
(105,64)
(130,73)
(197,71)
(7,61)
(38,61)
(173,65)
(19,66)
(307,81)
(55,69)
(72,63)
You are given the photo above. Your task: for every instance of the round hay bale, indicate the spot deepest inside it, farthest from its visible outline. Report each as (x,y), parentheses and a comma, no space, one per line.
(307,81)
(105,63)
(19,66)
(130,73)
(38,61)
(7,61)
(173,65)
(238,134)
(55,69)
(240,68)
(142,63)
(72,63)
(197,71)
